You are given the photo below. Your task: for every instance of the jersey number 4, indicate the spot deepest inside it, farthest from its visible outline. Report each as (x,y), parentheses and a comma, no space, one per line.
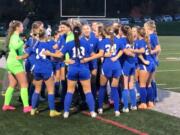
(39,54)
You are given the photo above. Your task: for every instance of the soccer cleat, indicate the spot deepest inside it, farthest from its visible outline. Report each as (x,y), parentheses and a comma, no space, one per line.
(54,113)
(117,113)
(150,105)
(125,110)
(8,108)
(142,106)
(100,111)
(133,108)
(93,114)
(66,115)
(34,111)
(27,109)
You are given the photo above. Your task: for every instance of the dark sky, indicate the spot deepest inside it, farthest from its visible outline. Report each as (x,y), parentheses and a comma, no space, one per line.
(50,9)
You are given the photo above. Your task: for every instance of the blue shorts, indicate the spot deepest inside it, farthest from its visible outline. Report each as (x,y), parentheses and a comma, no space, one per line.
(29,66)
(129,69)
(111,72)
(93,65)
(150,68)
(57,65)
(43,76)
(76,73)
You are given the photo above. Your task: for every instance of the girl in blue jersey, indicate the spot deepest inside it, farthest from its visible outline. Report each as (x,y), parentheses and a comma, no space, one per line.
(29,45)
(128,69)
(92,41)
(56,62)
(138,56)
(146,70)
(110,49)
(150,28)
(43,71)
(77,49)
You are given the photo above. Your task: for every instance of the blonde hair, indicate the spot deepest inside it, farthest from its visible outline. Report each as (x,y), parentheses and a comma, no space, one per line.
(151,25)
(12,28)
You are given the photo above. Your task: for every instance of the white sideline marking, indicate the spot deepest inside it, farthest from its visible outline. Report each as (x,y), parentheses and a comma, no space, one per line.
(163,54)
(172,88)
(174,70)
(168,101)
(161,84)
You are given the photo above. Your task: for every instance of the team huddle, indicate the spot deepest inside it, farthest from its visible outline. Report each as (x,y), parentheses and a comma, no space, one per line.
(103,64)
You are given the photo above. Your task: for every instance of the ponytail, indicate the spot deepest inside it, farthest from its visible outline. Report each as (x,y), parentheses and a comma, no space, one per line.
(77,33)
(12,28)
(128,33)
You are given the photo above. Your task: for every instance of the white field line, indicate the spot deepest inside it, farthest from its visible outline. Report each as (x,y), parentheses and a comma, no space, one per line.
(175,70)
(161,84)
(172,88)
(164,54)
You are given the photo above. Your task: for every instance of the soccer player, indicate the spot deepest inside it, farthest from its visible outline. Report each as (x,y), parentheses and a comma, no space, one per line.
(146,70)
(128,69)
(15,68)
(77,71)
(30,61)
(43,71)
(150,28)
(92,41)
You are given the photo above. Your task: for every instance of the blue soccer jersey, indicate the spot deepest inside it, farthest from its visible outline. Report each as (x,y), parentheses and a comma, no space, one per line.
(151,67)
(43,63)
(29,49)
(111,68)
(78,70)
(154,41)
(92,41)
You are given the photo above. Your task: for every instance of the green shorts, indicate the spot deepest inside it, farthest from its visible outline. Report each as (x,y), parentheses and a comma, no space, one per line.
(15,69)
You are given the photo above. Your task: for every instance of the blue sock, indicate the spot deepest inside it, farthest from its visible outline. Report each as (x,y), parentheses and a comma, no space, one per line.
(137,86)
(125,95)
(101,96)
(154,86)
(63,90)
(51,101)
(133,97)
(43,91)
(57,86)
(115,97)
(143,94)
(150,94)
(35,99)
(31,91)
(67,101)
(90,101)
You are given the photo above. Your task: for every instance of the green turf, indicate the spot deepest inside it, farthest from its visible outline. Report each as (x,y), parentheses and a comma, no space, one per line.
(150,122)
(170,48)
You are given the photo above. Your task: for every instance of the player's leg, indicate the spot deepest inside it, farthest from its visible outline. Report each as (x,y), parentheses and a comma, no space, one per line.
(68,98)
(102,90)
(51,97)
(9,93)
(143,78)
(132,93)
(86,84)
(36,95)
(22,80)
(115,95)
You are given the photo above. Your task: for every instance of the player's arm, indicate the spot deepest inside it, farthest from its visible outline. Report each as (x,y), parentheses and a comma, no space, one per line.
(120,53)
(57,54)
(157,50)
(129,52)
(22,57)
(94,56)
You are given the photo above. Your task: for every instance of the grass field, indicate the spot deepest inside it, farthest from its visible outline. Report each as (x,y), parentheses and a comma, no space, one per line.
(151,122)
